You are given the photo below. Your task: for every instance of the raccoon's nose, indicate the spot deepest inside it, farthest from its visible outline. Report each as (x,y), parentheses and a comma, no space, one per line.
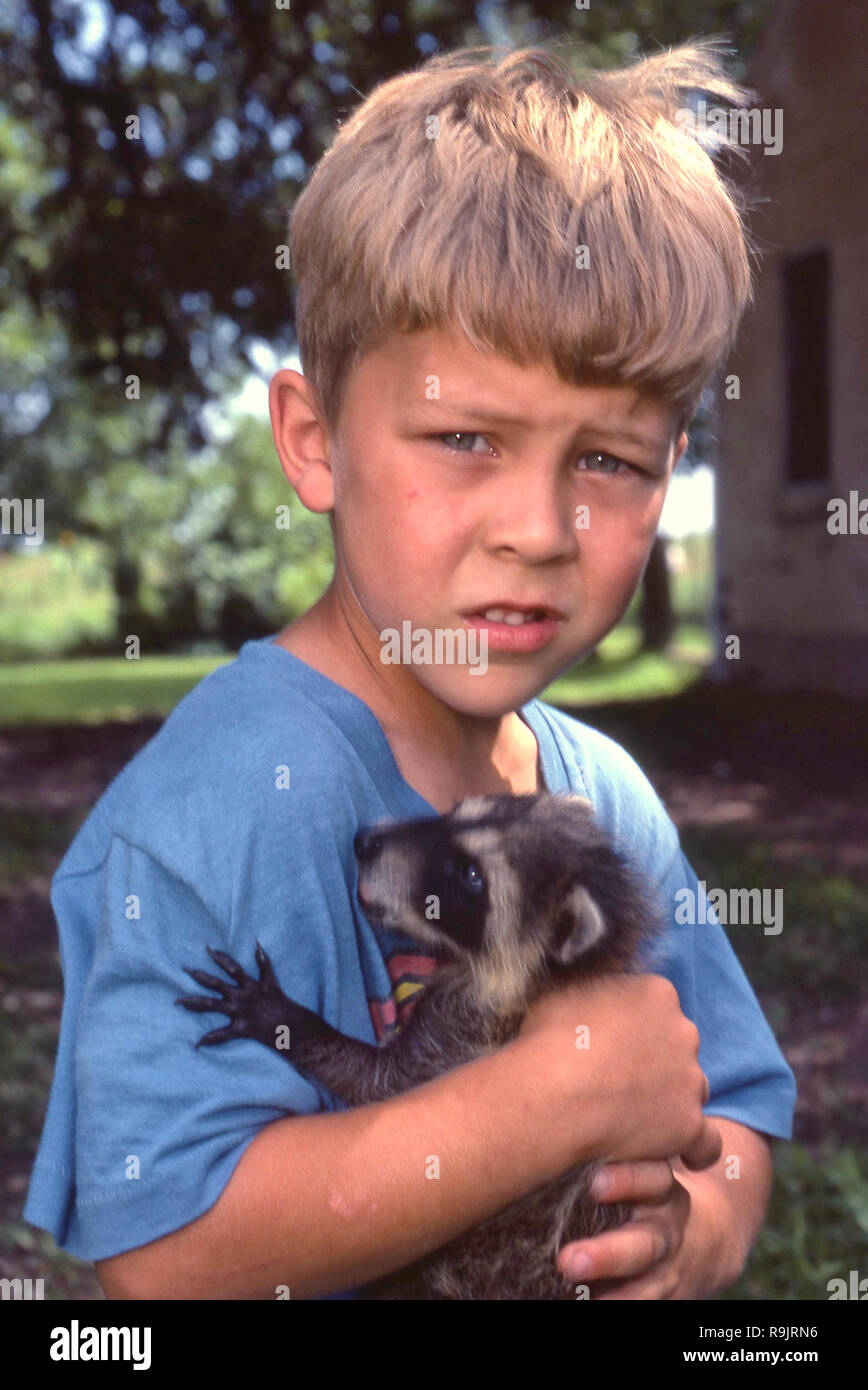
(367,846)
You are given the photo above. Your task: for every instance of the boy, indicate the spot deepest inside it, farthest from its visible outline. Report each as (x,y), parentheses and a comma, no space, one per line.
(491,418)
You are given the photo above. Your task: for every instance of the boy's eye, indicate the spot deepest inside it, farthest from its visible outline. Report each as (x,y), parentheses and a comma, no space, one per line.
(462,442)
(620,466)
(456,441)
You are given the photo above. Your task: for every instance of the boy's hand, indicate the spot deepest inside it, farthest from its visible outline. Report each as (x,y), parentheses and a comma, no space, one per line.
(690,1233)
(626,1059)
(639,1092)
(651,1255)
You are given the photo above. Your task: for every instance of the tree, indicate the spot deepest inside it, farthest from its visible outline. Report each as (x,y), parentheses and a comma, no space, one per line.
(172,138)
(151,152)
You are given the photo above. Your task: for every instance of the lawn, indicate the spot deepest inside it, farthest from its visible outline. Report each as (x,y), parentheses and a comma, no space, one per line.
(54,600)
(93,690)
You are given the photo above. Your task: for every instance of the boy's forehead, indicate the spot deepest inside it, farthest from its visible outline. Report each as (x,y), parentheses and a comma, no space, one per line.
(424,374)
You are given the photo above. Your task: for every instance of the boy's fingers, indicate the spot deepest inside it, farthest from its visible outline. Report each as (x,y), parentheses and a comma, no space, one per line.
(706,1149)
(646,1181)
(633,1249)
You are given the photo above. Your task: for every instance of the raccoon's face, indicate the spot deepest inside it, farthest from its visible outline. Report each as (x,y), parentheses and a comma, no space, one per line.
(514,886)
(416,877)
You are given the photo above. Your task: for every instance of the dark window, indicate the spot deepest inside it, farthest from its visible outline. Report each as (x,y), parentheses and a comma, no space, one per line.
(806,324)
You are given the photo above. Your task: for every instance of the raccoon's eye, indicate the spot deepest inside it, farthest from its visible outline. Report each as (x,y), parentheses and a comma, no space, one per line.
(470,875)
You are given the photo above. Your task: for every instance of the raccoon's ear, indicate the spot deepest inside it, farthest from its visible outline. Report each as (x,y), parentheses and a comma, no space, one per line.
(580,926)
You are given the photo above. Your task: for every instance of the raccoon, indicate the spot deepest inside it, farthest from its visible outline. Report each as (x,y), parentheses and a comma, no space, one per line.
(519,895)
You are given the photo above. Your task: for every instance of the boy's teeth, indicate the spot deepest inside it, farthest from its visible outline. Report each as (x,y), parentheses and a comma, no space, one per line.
(503,615)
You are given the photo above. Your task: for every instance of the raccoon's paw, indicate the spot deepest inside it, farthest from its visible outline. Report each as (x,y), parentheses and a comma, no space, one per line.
(256,1008)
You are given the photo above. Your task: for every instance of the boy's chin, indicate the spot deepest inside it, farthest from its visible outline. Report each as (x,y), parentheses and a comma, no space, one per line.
(491,694)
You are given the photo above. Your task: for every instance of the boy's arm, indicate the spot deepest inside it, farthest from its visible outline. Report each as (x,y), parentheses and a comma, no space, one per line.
(329,1201)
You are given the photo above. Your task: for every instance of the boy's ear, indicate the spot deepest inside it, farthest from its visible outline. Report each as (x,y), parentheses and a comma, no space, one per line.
(680,447)
(301,439)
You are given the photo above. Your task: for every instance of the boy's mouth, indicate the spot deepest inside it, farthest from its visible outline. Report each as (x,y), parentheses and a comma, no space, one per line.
(516,614)
(512,617)
(515,629)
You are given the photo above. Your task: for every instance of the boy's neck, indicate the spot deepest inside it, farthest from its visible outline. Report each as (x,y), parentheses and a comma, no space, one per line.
(442,756)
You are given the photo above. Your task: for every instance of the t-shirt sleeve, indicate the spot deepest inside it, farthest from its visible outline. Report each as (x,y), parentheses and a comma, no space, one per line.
(748,1077)
(155,1125)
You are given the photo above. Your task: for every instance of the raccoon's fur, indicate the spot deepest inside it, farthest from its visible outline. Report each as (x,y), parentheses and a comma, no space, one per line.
(521,895)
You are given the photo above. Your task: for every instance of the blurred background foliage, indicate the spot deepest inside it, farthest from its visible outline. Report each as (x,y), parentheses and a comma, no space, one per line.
(155,257)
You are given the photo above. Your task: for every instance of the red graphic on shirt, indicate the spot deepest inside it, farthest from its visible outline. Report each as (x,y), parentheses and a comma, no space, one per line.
(409,974)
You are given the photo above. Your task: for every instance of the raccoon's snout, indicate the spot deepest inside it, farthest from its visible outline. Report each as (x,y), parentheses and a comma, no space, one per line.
(367,846)
(374,909)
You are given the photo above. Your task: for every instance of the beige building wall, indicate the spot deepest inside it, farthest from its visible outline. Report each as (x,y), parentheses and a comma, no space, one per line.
(796,596)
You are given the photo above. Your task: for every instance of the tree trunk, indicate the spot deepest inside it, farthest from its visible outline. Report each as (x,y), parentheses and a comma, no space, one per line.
(656,616)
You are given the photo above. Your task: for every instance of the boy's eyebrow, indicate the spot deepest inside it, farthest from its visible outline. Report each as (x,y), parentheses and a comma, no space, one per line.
(500,417)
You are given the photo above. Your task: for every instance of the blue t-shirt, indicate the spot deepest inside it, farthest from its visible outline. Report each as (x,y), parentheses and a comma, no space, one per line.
(235,823)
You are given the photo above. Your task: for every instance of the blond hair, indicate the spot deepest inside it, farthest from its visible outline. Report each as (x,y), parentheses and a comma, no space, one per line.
(459,193)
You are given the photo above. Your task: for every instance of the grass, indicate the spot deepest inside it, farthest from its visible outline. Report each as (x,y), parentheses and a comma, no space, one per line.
(93,690)
(58,597)
(819,951)
(817,1223)
(31,842)
(816,1229)
(621,672)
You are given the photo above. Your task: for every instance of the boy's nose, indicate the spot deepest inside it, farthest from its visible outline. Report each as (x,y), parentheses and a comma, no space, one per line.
(367,845)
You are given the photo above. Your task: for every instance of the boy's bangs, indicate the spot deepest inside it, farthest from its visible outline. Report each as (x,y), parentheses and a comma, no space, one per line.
(579,224)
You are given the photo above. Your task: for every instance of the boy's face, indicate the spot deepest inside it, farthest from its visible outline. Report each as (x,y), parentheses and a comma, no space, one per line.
(549,497)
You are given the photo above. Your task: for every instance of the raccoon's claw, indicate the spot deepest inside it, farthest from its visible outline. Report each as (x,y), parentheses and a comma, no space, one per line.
(266,973)
(209,981)
(199,1004)
(222,1035)
(229,964)
(256,1008)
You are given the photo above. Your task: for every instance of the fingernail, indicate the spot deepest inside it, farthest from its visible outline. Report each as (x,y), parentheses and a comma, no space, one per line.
(602,1184)
(580,1265)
